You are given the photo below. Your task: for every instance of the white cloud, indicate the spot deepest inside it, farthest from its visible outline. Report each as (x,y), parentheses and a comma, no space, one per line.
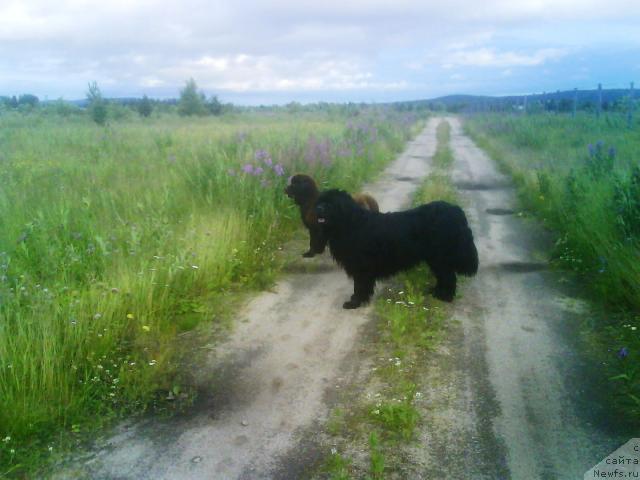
(243,73)
(488,57)
(151,82)
(292,45)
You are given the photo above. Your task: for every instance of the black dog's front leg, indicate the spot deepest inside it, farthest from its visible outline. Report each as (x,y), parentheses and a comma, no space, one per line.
(362,291)
(317,242)
(445,288)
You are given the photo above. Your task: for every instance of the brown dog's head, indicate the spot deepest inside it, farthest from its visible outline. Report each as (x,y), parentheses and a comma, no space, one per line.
(302,189)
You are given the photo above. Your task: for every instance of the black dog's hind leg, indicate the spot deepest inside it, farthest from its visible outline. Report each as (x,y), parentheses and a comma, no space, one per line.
(362,291)
(317,242)
(445,288)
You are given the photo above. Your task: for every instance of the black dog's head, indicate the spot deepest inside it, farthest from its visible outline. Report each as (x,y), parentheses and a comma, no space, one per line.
(336,209)
(302,188)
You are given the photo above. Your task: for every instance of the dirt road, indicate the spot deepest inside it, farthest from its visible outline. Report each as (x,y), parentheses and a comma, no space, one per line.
(508,396)
(519,400)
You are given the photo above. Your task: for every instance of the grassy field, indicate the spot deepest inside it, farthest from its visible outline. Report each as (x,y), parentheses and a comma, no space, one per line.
(116,240)
(582,176)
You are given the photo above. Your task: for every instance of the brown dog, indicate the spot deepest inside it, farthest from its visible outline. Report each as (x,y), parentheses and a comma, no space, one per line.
(304,192)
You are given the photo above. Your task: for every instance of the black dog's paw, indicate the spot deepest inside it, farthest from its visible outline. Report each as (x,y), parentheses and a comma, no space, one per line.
(444,295)
(308,254)
(351,304)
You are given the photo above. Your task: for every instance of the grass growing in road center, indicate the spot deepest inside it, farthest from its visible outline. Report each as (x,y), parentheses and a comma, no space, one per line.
(410,324)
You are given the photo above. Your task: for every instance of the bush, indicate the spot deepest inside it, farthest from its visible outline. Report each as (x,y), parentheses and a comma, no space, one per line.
(119,112)
(191,101)
(214,106)
(97,106)
(62,108)
(28,99)
(145,107)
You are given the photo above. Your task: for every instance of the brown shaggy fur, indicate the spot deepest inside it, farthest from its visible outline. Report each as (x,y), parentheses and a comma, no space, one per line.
(366,201)
(303,189)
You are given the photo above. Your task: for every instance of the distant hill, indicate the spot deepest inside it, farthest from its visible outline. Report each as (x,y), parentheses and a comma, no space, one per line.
(559,100)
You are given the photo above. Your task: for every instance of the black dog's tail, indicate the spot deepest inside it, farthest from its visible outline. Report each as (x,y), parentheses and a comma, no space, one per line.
(466,257)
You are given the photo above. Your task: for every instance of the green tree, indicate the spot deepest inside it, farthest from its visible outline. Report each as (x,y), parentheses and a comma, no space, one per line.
(145,107)
(191,101)
(28,99)
(214,106)
(293,107)
(62,108)
(97,106)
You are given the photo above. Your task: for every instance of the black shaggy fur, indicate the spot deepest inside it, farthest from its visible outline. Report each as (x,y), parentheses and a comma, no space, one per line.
(370,245)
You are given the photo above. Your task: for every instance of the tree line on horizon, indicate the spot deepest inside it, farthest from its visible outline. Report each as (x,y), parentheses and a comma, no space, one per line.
(192,101)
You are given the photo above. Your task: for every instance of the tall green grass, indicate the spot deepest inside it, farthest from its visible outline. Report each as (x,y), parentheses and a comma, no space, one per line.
(115,240)
(582,175)
(579,174)
(443,158)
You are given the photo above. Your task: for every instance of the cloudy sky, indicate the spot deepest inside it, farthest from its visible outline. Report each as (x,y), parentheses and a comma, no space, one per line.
(276,51)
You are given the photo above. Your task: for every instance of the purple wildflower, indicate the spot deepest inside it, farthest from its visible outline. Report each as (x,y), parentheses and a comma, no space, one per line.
(261,155)
(248,168)
(612,152)
(623,353)
(258,171)
(592,150)
(279,171)
(318,151)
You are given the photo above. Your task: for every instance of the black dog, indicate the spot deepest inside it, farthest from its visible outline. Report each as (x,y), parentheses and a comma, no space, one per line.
(372,245)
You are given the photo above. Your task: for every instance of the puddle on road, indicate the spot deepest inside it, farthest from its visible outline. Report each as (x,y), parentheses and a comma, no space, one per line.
(483,185)
(522,267)
(500,211)
(517,267)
